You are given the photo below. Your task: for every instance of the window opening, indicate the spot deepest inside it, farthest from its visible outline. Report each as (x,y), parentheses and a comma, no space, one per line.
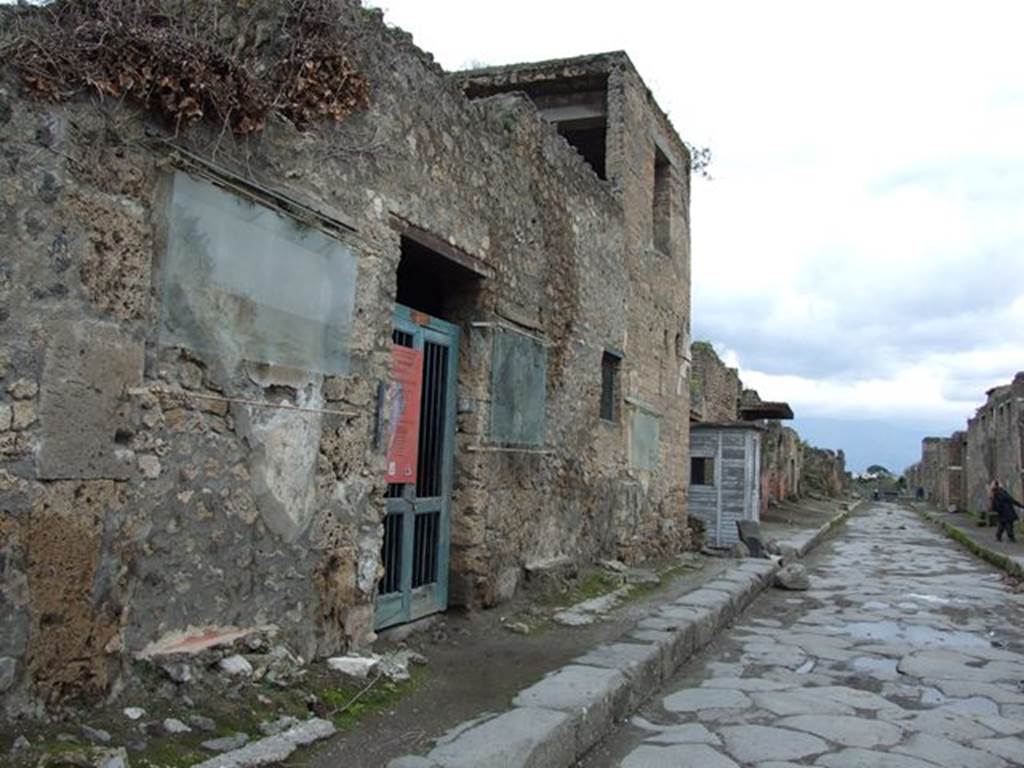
(576,106)
(431,283)
(702,470)
(662,208)
(610,386)
(589,142)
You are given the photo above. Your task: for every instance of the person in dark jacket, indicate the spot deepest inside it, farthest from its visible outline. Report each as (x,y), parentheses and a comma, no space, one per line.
(1003,506)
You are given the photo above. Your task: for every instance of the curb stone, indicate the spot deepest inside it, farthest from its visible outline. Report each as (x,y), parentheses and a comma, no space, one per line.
(557,720)
(998,559)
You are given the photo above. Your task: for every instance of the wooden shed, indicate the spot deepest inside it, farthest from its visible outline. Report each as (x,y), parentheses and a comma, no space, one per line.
(725,469)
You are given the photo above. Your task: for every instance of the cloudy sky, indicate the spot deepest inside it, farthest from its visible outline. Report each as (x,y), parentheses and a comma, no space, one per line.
(860,249)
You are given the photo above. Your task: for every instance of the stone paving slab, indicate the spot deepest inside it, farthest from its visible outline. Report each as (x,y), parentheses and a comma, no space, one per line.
(905,653)
(677,756)
(555,721)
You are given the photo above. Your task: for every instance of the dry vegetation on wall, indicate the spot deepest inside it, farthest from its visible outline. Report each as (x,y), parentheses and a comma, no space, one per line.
(231,62)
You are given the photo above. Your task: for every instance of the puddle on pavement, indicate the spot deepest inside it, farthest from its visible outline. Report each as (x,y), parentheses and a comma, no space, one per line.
(875,666)
(914,635)
(931,598)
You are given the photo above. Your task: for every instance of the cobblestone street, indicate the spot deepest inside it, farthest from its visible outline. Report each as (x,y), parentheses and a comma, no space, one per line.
(905,653)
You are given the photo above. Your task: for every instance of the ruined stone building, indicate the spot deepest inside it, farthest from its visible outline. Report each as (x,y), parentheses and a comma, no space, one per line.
(275,369)
(734,425)
(955,472)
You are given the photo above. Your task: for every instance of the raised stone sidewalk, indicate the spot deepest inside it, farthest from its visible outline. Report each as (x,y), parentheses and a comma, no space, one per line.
(981,540)
(555,721)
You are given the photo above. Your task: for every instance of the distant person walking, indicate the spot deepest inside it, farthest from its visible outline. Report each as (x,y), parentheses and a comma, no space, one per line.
(1003,506)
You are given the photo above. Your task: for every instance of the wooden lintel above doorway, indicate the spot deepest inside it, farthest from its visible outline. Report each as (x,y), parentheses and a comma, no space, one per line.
(442,247)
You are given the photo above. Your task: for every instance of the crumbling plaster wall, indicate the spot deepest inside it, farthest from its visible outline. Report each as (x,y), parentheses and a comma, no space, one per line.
(956,475)
(140,511)
(995,444)
(658,330)
(782,465)
(127,513)
(716,389)
(638,511)
(934,473)
(789,468)
(824,471)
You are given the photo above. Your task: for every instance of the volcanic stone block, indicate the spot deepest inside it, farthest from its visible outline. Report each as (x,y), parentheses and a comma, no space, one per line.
(594,697)
(85,406)
(526,737)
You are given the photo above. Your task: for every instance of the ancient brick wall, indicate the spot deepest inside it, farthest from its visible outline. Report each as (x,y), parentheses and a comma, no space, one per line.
(782,465)
(956,479)
(995,444)
(149,488)
(824,471)
(934,468)
(716,389)
(789,468)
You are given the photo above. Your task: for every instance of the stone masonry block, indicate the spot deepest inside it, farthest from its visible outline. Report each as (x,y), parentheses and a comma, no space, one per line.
(744,585)
(762,570)
(593,697)
(641,663)
(526,737)
(84,401)
(704,597)
(704,623)
(668,644)
(737,592)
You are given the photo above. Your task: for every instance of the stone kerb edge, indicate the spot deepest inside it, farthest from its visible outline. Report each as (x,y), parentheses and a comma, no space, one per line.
(997,559)
(672,638)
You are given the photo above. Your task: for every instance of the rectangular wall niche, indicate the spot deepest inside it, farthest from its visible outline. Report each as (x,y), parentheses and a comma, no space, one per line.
(242,282)
(644,439)
(518,389)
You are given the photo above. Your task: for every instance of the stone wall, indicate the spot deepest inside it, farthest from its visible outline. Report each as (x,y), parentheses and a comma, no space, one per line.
(995,444)
(824,471)
(934,473)
(789,468)
(152,489)
(782,465)
(715,388)
(956,472)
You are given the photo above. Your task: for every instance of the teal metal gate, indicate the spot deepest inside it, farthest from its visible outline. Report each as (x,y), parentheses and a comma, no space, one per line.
(417,523)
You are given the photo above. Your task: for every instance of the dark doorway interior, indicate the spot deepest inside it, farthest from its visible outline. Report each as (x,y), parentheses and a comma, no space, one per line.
(589,140)
(431,283)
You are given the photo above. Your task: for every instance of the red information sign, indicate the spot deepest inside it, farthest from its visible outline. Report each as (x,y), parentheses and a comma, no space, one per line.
(403,412)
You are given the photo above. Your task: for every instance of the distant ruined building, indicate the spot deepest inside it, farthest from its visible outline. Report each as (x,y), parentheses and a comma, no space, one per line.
(955,472)
(742,458)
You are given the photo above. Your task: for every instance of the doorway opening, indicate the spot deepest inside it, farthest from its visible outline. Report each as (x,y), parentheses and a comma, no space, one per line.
(434,292)
(432,282)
